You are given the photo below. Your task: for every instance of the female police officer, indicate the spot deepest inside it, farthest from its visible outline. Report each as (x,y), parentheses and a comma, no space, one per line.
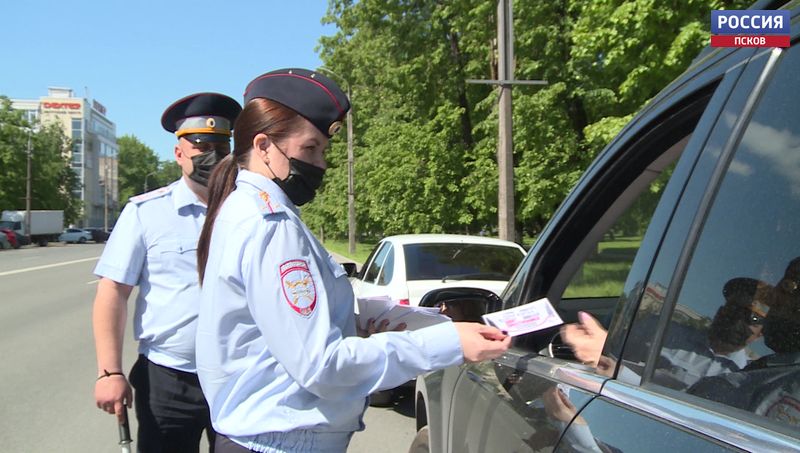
(277,352)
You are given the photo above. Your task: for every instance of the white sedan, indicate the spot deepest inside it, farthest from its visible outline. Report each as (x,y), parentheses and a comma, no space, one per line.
(75,235)
(405,267)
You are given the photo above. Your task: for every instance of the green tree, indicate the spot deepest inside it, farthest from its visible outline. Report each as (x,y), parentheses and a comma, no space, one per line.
(426,140)
(53,182)
(136,162)
(168,172)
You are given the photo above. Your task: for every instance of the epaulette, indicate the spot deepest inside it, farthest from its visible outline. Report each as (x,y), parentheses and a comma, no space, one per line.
(152,195)
(268,206)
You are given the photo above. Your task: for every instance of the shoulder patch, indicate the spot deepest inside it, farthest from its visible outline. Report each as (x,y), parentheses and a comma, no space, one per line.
(266,205)
(152,195)
(298,286)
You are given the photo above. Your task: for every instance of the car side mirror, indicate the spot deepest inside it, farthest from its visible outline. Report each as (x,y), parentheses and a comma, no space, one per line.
(462,304)
(351,269)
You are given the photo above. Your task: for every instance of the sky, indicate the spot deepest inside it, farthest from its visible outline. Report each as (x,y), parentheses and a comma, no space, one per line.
(137,57)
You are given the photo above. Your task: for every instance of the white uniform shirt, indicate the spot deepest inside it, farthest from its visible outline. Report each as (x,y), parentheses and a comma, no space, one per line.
(277,349)
(154,245)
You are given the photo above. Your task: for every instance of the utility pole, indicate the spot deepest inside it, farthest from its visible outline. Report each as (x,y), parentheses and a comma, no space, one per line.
(351,183)
(505,145)
(351,191)
(28,190)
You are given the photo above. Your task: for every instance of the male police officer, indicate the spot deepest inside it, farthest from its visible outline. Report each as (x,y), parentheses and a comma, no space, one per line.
(154,246)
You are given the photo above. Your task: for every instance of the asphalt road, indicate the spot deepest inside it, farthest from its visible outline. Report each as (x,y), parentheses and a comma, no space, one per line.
(48,367)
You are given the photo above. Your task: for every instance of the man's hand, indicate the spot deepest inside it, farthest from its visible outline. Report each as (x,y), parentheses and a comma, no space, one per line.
(586,338)
(112,393)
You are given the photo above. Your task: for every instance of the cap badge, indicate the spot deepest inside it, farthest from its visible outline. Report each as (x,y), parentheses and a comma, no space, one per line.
(211,122)
(335,127)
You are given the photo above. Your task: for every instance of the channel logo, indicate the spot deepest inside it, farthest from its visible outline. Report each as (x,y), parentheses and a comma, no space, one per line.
(749,28)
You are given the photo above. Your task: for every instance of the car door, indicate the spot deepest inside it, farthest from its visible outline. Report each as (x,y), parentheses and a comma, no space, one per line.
(728,275)
(588,259)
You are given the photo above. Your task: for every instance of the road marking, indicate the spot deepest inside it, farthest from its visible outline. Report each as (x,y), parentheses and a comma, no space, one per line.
(48,266)
(93,282)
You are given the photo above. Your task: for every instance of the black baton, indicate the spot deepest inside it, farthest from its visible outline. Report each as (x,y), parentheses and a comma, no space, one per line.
(125,432)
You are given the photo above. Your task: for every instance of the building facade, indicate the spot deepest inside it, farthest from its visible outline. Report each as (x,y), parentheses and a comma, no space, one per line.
(94,150)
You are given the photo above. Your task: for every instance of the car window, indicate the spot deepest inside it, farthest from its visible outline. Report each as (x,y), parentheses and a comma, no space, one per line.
(585,256)
(458,261)
(374,269)
(734,334)
(387,270)
(603,273)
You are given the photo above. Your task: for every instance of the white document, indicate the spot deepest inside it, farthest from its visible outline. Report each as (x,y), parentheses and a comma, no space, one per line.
(533,316)
(380,308)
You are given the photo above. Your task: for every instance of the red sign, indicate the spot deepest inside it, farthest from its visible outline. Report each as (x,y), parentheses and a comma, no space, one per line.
(749,41)
(62,105)
(99,107)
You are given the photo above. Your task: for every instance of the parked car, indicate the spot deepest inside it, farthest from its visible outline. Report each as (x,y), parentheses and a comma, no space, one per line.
(405,267)
(99,235)
(76,235)
(12,236)
(682,239)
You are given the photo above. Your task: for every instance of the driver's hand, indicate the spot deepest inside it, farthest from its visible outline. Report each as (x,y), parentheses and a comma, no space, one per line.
(586,338)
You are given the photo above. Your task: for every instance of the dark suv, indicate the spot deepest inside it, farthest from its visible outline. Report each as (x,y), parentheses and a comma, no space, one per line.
(99,235)
(682,240)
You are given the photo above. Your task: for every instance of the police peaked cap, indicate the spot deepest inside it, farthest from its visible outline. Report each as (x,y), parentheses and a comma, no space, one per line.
(202,117)
(312,95)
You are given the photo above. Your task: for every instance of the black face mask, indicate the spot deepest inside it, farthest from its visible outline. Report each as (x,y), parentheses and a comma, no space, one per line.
(303,181)
(203,166)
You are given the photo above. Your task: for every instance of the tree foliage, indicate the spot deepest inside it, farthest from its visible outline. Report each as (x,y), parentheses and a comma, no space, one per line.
(140,169)
(426,140)
(53,182)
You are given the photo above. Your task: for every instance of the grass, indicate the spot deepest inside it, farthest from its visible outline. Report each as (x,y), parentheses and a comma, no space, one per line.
(604,274)
(340,246)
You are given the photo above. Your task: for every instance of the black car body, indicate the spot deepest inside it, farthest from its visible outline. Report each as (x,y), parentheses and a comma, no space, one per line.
(98,234)
(701,190)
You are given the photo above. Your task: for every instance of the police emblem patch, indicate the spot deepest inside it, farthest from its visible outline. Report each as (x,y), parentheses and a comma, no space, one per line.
(298,286)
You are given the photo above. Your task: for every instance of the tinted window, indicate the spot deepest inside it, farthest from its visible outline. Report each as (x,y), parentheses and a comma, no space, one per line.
(388,267)
(375,266)
(734,336)
(460,261)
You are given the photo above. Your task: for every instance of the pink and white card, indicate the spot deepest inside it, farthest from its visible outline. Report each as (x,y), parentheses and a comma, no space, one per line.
(533,316)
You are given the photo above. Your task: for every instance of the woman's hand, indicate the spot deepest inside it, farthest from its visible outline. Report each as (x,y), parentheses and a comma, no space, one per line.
(480,342)
(383,326)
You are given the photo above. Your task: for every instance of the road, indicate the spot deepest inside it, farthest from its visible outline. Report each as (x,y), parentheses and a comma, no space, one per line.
(48,373)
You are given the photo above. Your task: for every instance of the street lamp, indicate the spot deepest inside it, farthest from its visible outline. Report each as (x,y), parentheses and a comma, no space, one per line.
(351,202)
(147,176)
(28,198)
(28,189)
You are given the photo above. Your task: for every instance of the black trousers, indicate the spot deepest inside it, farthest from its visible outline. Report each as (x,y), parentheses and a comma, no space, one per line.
(170,408)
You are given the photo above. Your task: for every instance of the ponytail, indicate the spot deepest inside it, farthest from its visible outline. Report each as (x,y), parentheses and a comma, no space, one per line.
(258,116)
(220,185)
